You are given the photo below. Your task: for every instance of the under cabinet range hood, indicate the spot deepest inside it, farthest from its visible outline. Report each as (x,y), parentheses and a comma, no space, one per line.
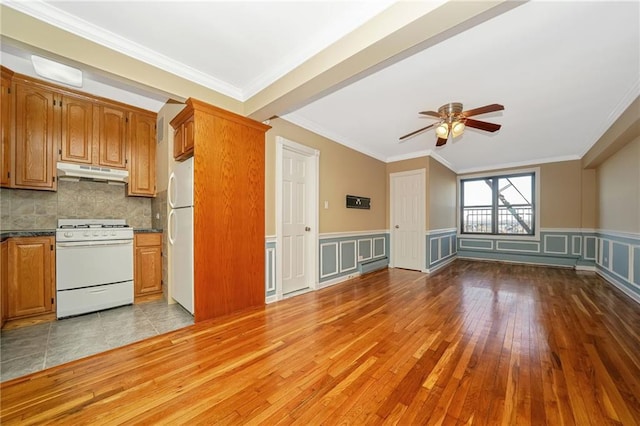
(76,171)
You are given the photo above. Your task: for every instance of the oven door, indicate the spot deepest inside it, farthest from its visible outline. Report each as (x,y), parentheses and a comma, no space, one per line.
(92,263)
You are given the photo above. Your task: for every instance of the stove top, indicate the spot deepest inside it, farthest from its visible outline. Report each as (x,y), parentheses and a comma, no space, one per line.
(86,226)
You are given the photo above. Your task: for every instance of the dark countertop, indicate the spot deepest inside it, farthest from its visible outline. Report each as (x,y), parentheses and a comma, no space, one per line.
(52,232)
(27,233)
(146,230)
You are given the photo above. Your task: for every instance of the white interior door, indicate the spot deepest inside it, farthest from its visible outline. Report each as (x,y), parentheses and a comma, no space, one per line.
(407,219)
(295,221)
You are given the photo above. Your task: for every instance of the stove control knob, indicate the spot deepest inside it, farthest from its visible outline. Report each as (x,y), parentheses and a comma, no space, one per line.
(86,233)
(95,234)
(105,233)
(113,233)
(68,234)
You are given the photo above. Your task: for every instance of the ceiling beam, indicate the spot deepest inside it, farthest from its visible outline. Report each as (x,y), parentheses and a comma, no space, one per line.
(400,31)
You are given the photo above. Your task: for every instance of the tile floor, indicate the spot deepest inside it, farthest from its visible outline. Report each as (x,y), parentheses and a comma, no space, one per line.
(30,349)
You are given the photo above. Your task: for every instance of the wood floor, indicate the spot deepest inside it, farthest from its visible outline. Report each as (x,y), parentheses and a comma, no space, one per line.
(478,343)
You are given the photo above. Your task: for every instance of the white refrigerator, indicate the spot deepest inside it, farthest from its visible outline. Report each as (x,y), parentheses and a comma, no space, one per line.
(180,197)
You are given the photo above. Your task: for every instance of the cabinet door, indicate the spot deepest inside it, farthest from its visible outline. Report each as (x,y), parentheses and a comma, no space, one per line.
(31,272)
(112,140)
(35,116)
(183,140)
(148,264)
(77,130)
(4,280)
(6,105)
(142,157)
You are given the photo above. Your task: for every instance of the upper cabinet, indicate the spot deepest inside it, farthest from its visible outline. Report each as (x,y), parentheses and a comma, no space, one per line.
(76,144)
(183,139)
(6,111)
(34,137)
(44,123)
(142,167)
(113,131)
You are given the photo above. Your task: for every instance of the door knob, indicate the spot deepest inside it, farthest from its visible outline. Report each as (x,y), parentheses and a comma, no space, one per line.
(306,228)
(397,226)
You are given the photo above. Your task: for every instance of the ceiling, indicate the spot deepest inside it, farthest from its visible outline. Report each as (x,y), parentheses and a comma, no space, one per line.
(565,71)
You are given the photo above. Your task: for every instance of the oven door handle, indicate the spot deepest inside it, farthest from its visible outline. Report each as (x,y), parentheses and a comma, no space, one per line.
(94,243)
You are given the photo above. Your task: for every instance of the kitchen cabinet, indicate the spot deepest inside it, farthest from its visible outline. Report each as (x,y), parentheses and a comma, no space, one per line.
(6,112)
(34,137)
(112,136)
(183,139)
(228,215)
(31,276)
(147,263)
(4,280)
(45,123)
(142,155)
(77,133)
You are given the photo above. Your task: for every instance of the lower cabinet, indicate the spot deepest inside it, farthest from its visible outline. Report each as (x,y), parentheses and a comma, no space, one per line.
(148,264)
(31,276)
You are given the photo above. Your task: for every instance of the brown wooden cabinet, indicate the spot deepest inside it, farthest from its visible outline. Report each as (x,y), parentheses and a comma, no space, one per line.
(35,128)
(112,137)
(228,217)
(142,155)
(6,116)
(147,264)
(31,282)
(77,133)
(43,123)
(183,140)
(4,280)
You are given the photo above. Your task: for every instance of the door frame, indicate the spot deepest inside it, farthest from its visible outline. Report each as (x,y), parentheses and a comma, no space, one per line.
(421,213)
(313,158)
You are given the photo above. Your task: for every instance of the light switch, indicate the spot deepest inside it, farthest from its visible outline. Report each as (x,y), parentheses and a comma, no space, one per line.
(326,204)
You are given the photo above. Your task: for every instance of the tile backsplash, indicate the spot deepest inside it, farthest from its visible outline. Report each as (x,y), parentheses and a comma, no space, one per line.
(22,209)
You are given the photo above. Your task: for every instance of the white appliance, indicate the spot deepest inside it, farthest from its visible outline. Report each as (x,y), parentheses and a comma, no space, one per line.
(77,171)
(94,265)
(180,232)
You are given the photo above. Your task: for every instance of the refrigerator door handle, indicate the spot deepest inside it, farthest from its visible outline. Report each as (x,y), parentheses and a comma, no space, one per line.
(171,190)
(172,226)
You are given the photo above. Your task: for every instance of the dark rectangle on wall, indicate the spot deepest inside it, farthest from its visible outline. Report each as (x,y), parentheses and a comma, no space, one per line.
(356,202)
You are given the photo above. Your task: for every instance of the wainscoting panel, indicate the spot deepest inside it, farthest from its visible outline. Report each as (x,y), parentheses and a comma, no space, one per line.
(342,255)
(619,261)
(270,268)
(555,247)
(441,248)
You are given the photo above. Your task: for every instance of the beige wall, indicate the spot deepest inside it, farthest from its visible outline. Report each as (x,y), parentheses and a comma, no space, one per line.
(342,171)
(618,190)
(562,204)
(441,196)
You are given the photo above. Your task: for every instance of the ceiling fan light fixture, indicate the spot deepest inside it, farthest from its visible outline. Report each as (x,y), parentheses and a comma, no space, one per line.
(457,128)
(442,130)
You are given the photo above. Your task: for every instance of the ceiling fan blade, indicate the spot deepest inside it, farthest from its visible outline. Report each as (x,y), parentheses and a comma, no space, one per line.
(431,113)
(441,141)
(417,131)
(482,110)
(482,125)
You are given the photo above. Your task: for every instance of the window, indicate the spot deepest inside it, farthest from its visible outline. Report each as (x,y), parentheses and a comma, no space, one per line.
(498,205)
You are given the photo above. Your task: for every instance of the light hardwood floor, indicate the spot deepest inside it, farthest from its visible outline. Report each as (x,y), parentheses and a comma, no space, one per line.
(478,343)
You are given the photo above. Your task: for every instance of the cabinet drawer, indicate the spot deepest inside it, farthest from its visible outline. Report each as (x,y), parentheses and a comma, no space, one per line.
(148,240)
(91,299)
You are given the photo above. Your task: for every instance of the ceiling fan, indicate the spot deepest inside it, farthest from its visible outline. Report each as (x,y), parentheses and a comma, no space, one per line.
(453,121)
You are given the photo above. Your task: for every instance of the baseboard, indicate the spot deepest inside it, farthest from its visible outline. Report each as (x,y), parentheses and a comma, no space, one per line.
(271,299)
(338,280)
(440,265)
(515,262)
(586,268)
(633,296)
